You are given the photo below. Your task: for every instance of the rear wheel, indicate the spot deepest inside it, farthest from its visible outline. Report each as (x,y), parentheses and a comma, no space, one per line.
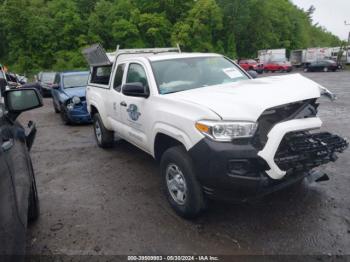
(103,136)
(182,189)
(325,69)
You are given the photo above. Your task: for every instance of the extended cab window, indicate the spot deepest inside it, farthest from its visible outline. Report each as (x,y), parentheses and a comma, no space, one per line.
(100,75)
(136,73)
(118,79)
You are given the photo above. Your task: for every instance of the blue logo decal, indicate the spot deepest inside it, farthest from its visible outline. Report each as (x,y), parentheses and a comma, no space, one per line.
(133,112)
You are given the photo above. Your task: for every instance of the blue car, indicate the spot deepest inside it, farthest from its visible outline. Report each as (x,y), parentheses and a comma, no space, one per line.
(69,96)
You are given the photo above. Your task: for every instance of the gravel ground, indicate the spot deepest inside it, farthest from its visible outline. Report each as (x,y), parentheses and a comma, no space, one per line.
(109,202)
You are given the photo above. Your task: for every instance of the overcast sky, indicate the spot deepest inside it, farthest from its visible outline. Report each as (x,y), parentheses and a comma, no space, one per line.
(330,14)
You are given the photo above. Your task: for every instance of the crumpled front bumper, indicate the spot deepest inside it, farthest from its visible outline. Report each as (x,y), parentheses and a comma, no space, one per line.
(275,137)
(288,147)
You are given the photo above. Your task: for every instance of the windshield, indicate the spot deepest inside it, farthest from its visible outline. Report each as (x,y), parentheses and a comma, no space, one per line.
(75,80)
(189,73)
(48,77)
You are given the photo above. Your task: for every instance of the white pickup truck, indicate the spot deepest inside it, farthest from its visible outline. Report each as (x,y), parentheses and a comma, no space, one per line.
(216,132)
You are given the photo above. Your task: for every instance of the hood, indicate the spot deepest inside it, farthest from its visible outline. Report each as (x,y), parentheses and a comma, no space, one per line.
(247,100)
(75,91)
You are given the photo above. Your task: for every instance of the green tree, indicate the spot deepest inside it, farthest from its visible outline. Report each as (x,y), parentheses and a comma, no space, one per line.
(201,28)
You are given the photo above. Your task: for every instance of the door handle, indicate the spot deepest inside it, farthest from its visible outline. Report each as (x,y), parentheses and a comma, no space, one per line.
(123,104)
(7,145)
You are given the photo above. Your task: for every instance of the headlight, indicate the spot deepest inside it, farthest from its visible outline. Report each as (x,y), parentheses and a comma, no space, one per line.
(226,131)
(76,100)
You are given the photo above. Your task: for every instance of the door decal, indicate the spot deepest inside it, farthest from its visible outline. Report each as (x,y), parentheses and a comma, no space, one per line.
(133,112)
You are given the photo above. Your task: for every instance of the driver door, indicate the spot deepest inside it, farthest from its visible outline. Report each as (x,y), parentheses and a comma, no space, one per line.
(135,110)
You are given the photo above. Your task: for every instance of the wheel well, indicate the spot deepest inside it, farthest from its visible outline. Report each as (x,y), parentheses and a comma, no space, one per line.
(93,111)
(163,142)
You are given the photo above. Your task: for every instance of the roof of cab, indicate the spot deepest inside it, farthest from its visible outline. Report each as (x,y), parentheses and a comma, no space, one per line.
(160,56)
(72,72)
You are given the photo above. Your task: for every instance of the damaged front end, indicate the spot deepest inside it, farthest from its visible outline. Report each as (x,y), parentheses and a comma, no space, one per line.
(287,143)
(302,151)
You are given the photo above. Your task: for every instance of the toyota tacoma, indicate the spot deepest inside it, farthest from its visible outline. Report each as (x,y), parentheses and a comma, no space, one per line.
(216,132)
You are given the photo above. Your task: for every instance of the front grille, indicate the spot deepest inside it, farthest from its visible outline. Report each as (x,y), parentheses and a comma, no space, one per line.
(273,116)
(303,151)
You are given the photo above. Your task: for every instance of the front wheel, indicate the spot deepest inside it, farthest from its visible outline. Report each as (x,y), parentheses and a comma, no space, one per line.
(325,69)
(182,189)
(64,116)
(103,136)
(55,107)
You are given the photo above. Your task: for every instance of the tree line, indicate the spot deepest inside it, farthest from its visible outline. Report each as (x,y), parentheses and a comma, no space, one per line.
(49,34)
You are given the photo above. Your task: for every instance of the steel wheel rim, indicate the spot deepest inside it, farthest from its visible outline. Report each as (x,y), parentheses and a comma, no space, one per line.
(176,184)
(98,132)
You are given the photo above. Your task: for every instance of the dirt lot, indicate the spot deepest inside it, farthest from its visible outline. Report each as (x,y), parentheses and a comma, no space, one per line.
(95,201)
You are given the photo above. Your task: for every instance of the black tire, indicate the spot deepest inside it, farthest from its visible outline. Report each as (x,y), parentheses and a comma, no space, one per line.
(325,69)
(104,137)
(64,116)
(193,202)
(33,201)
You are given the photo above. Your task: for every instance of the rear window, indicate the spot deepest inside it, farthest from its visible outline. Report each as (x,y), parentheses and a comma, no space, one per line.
(101,75)
(48,77)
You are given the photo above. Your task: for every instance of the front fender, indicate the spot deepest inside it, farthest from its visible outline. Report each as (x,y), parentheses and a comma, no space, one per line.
(175,133)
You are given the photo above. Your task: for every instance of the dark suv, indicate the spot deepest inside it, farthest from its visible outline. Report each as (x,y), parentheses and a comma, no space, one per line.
(18,193)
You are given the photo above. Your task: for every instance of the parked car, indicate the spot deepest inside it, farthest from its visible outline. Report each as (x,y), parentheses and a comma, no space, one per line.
(45,80)
(250,64)
(322,66)
(68,94)
(274,66)
(18,192)
(216,132)
(3,82)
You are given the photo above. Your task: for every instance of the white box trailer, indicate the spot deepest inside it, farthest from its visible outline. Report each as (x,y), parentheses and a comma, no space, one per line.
(297,57)
(269,55)
(306,56)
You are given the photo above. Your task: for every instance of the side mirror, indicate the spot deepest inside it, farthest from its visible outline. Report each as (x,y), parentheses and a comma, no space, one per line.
(253,73)
(55,86)
(135,89)
(20,100)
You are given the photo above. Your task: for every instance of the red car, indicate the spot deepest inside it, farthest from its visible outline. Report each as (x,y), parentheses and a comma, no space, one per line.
(250,64)
(284,66)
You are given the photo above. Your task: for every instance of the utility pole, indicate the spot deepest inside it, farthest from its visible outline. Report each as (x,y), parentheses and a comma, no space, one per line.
(348,45)
(345,23)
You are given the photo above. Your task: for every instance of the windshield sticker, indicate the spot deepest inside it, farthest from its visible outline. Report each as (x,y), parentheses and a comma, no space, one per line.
(232,73)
